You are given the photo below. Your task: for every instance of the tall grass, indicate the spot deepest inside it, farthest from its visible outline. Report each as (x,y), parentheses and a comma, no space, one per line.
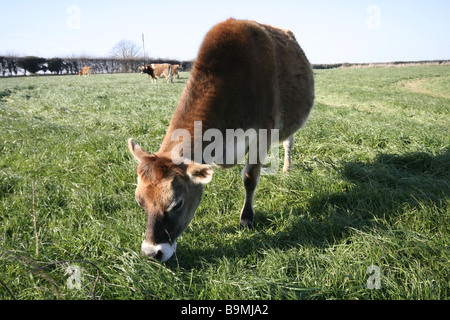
(370,186)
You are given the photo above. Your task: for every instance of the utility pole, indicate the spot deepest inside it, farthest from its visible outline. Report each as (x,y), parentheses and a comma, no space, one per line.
(143,47)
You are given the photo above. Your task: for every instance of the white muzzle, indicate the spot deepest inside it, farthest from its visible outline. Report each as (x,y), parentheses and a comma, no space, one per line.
(161,252)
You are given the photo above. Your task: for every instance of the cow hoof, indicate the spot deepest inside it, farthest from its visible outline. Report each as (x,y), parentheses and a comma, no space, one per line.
(246,224)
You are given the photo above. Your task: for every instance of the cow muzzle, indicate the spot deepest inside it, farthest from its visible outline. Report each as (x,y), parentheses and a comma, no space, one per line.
(161,252)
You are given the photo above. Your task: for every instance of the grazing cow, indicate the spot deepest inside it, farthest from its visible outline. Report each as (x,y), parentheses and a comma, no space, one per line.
(247,76)
(176,71)
(85,71)
(157,70)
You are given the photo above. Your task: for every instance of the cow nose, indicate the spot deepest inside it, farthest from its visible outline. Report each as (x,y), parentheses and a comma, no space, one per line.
(151,251)
(161,251)
(157,254)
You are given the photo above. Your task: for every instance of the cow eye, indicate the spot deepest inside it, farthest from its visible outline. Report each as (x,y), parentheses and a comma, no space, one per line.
(177,205)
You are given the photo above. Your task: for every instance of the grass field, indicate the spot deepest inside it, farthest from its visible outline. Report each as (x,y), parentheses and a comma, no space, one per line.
(364,214)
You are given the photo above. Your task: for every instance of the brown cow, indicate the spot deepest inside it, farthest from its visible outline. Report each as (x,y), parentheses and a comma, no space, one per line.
(157,70)
(176,71)
(85,71)
(247,76)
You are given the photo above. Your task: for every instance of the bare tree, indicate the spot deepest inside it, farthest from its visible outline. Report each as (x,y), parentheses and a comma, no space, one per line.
(126,50)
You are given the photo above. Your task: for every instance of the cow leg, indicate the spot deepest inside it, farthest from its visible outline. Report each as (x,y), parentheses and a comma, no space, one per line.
(287,144)
(250,178)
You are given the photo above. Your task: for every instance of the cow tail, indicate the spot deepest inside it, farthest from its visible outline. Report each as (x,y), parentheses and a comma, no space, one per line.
(170,73)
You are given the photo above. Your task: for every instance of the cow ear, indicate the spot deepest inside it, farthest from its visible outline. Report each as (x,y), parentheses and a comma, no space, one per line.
(136,150)
(200,173)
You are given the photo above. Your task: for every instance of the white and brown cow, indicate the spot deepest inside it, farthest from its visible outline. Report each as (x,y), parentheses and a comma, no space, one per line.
(157,70)
(247,76)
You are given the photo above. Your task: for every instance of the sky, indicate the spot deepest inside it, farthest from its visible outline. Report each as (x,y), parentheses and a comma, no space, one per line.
(354,31)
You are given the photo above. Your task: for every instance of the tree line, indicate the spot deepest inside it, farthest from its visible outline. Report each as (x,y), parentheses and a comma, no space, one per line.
(31,65)
(380,64)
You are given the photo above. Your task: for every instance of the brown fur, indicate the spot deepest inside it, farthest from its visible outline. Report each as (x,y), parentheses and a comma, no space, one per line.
(246,76)
(153,169)
(176,70)
(85,71)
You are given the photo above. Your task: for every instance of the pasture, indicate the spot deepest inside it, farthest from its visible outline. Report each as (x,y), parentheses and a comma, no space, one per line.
(364,214)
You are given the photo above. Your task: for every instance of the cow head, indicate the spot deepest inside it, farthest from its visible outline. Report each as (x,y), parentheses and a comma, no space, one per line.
(147,69)
(169,193)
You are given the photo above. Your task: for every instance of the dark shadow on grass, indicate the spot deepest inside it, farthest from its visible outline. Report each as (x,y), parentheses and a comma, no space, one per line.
(390,181)
(378,189)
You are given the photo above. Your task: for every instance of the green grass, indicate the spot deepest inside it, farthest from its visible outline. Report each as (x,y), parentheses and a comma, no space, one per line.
(370,185)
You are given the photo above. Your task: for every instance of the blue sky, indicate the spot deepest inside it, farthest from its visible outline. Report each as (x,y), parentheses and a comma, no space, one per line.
(328,31)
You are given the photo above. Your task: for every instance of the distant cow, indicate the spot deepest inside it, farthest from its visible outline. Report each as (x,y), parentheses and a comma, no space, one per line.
(176,70)
(85,71)
(157,70)
(247,77)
